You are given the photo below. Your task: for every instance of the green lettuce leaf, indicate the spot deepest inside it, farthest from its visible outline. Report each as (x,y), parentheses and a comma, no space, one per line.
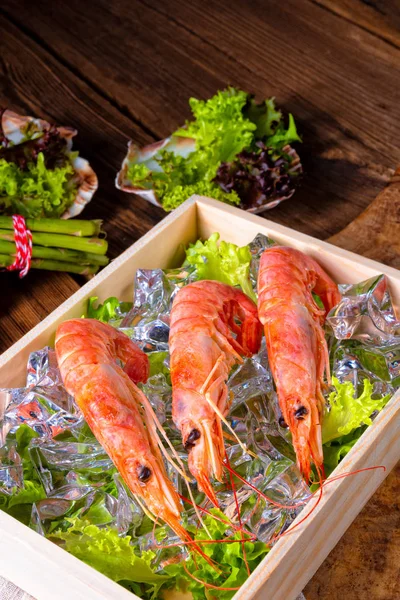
(30,493)
(220,129)
(106,311)
(265,117)
(174,196)
(229,558)
(114,556)
(283,136)
(347,412)
(157,364)
(225,262)
(140,175)
(269,124)
(337,449)
(36,191)
(318,301)
(19,504)
(179,179)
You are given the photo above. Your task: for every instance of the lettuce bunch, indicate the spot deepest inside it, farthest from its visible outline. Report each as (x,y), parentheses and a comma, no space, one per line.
(222,127)
(37,178)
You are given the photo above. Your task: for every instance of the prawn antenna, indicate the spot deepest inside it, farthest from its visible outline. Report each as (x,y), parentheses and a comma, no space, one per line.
(225,421)
(154,424)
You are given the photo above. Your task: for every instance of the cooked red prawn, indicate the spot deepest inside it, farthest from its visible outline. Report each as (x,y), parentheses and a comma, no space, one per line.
(296,345)
(205,341)
(116,410)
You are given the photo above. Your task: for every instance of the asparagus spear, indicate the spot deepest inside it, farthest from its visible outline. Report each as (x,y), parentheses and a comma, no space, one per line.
(76,227)
(93,245)
(52,265)
(60,254)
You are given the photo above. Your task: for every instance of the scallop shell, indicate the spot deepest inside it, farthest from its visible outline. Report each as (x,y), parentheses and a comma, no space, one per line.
(19,128)
(179,145)
(182,146)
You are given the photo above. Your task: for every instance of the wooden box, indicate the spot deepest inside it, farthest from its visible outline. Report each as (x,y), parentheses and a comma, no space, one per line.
(49,573)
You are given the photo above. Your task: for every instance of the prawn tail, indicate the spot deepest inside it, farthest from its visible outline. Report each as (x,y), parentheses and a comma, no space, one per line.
(250,336)
(249,332)
(137,369)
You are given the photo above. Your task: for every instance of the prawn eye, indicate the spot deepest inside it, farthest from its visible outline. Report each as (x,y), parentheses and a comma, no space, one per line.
(192,437)
(300,412)
(144,474)
(282,422)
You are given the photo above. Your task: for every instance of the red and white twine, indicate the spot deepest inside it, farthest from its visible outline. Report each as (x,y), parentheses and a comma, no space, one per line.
(23,243)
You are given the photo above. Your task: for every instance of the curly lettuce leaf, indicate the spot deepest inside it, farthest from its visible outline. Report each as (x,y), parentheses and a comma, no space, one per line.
(178,180)
(110,309)
(223,262)
(260,176)
(269,124)
(336,450)
(283,136)
(19,504)
(265,117)
(140,175)
(220,129)
(30,493)
(114,556)
(231,572)
(177,195)
(347,412)
(36,191)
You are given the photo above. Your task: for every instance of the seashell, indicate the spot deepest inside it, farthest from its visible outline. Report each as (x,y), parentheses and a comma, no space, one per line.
(88,186)
(183,146)
(18,129)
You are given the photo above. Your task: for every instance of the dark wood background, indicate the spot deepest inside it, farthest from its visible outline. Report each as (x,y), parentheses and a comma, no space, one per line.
(124,69)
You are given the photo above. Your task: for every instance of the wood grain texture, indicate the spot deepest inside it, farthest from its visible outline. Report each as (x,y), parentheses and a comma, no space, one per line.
(365,564)
(339,81)
(50,90)
(125,69)
(376,232)
(381,17)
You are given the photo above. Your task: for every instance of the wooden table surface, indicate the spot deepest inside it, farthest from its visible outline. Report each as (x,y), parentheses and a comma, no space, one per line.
(124,69)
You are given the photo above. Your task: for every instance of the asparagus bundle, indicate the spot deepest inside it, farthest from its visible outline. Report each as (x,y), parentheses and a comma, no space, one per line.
(58,245)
